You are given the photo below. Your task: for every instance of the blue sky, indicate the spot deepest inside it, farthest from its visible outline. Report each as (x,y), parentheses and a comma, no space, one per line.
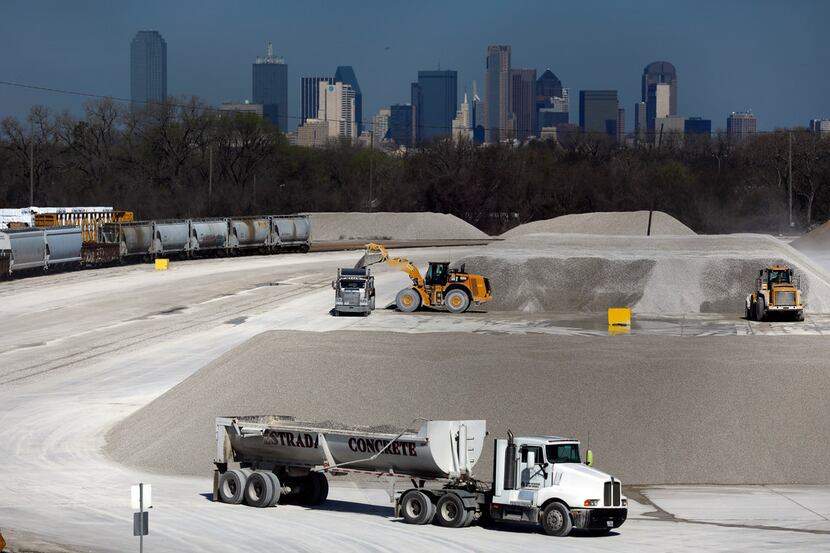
(772,57)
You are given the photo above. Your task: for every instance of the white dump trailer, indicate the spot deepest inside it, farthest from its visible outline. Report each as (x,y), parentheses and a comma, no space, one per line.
(536,480)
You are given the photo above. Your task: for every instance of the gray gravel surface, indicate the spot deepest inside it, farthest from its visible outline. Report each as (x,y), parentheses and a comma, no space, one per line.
(616,223)
(391,226)
(656,274)
(731,410)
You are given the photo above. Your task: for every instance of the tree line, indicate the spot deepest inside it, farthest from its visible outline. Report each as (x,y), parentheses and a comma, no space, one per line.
(184,159)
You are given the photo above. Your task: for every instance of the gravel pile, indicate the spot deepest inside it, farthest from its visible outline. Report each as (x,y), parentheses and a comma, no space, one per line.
(727,410)
(817,240)
(327,227)
(655,275)
(619,223)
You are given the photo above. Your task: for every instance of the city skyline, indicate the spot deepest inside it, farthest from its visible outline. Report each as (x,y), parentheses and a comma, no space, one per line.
(720,75)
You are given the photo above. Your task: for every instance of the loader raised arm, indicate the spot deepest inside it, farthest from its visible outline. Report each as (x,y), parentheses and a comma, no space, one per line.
(376,253)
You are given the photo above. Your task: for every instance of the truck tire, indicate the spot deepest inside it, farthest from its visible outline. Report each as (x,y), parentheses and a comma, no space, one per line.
(417,508)
(748,312)
(408,300)
(323,487)
(232,486)
(760,309)
(450,511)
(471,517)
(259,490)
(799,316)
(556,520)
(457,301)
(277,488)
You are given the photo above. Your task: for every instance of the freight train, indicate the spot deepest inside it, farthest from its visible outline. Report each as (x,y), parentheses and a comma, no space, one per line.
(64,247)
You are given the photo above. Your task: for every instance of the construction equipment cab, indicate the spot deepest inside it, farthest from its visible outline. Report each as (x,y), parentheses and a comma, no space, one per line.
(776,293)
(442,286)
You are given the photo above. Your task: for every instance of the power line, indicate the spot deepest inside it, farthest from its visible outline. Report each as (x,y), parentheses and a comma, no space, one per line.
(297,117)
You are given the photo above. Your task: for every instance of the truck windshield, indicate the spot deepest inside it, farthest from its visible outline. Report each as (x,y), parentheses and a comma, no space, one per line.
(779,277)
(563,453)
(351,284)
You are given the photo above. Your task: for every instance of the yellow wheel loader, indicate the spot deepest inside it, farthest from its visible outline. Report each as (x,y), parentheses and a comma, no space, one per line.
(776,293)
(442,286)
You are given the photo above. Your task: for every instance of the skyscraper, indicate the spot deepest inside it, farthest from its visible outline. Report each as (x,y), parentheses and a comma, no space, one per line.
(661,72)
(554,111)
(434,98)
(148,68)
(548,85)
(462,125)
(523,101)
(337,108)
(598,111)
(345,74)
(477,114)
(697,125)
(740,125)
(658,103)
(310,96)
(400,124)
(270,88)
(820,126)
(380,125)
(620,124)
(640,120)
(497,94)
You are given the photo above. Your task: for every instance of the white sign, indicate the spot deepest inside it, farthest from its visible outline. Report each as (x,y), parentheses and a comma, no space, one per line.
(148,496)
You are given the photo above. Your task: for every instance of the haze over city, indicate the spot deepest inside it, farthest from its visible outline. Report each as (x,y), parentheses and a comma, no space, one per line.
(732,56)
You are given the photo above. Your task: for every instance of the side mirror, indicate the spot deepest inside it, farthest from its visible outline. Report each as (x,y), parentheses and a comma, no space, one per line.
(589,458)
(334,287)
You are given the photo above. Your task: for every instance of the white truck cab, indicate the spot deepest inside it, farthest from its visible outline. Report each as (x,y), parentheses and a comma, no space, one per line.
(542,479)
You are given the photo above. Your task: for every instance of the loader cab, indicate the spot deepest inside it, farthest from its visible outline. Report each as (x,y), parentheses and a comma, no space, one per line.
(437,273)
(779,276)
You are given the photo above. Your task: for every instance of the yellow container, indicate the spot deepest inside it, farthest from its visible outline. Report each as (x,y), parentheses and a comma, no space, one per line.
(619,316)
(162,264)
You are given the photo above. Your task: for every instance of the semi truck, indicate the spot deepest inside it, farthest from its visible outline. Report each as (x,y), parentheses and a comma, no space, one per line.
(354,291)
(536,480)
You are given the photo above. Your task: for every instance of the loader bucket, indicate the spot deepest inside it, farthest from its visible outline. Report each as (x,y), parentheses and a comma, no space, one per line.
(369,258)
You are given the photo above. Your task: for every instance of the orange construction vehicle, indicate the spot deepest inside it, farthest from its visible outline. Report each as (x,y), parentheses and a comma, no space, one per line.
(442,286)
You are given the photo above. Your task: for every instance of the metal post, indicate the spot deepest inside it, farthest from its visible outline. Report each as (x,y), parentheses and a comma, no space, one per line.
(371,163)
(210,171)
(32,164)
(790,177)
(140,517)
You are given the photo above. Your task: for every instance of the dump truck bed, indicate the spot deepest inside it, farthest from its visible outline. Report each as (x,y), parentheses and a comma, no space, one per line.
(436,450)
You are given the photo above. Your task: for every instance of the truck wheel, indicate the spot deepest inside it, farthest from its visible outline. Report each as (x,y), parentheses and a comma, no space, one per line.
(450,511)
(556,520)
(799,316)
(408,300)
(232,486)
(277,488)
(417,508)
(760,309)
(457,301)
(471,517)
(322,486)
(259,490)
(747,313)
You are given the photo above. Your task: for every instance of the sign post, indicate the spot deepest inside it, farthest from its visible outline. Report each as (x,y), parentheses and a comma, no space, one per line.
(141,498)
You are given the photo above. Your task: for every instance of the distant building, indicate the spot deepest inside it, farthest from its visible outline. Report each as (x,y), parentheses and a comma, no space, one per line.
(462,125)
(345,74)
(242,107)
(661,72)
(523,102)
(313,133)
(337,108)
(740,125)
(270,88)
(434,98)
(658,103)
(148,68)
(477,114)
(598,111)
(640,121)
(380,125)
(620,124)
(554,110)
(669,130)
(697,125)
(497,120)
(310,96)
(821,126)
(400,124)
(548,133)
(548,86)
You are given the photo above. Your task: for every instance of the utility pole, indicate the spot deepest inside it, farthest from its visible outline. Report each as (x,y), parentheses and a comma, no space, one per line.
(790,176)
(32,164)
(210,171)
(371,164)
